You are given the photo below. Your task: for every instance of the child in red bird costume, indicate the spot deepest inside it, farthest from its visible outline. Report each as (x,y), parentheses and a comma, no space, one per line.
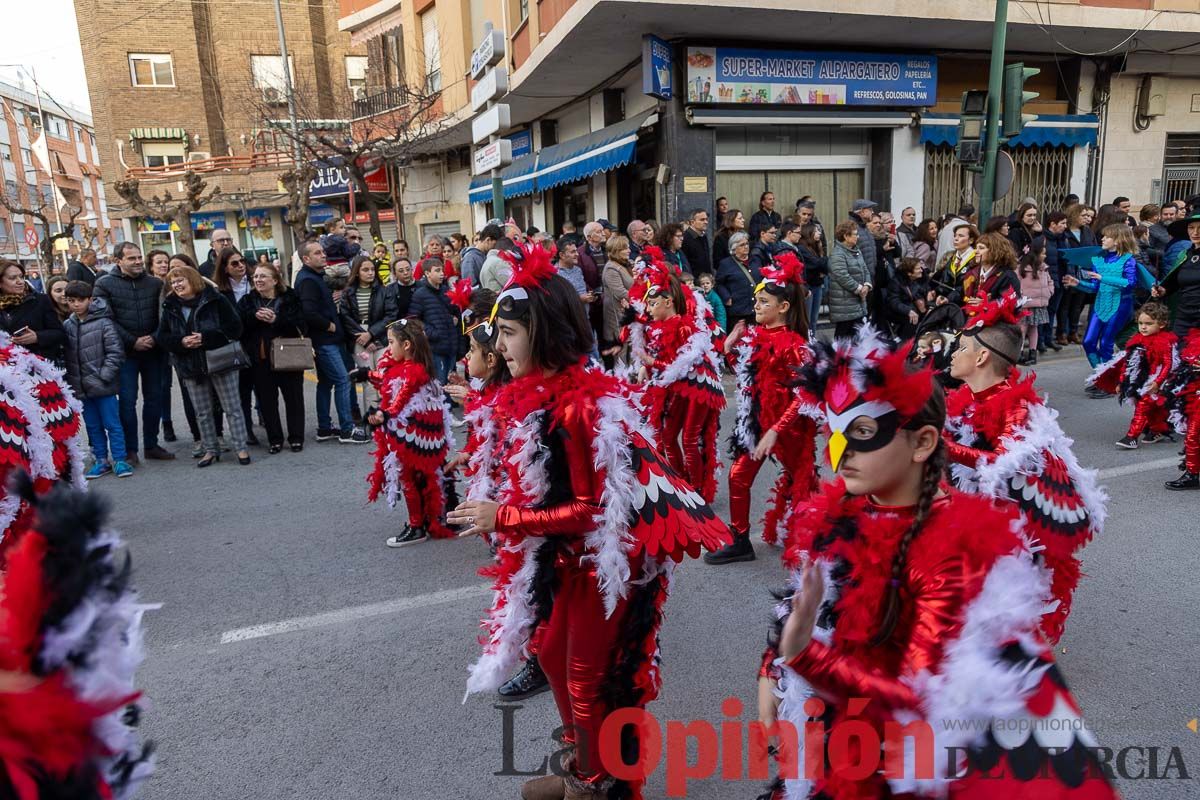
(70,641)
(589,522)
(1005,442)
(40,419)
(412,432)
(1183,389)
(765,358)
(1137,375)
(912,604)
(681,372)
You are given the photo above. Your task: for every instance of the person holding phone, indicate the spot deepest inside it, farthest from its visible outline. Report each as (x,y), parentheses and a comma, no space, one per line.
(29,317)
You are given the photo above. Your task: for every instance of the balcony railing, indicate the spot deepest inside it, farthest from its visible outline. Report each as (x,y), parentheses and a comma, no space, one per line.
(258,160)
(381,102)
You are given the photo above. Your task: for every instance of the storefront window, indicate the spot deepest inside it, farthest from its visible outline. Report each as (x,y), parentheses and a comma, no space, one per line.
(153,235)
(518,209)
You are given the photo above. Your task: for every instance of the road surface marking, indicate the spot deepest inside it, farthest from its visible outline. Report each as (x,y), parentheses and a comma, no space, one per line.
(1144,466)
(353,613)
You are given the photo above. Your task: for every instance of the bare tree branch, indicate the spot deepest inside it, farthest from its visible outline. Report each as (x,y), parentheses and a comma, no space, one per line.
(167,208)
(43,214)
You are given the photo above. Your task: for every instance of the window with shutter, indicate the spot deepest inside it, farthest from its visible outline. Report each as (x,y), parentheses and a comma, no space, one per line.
(433,50)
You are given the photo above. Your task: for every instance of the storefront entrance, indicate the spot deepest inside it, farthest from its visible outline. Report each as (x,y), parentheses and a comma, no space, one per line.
(833,190)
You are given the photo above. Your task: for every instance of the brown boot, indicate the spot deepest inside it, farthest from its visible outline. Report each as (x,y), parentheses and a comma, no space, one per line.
(547,787)
(578,790)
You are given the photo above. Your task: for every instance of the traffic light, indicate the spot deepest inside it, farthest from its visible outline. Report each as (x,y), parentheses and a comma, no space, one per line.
(971,119)
(1015,98)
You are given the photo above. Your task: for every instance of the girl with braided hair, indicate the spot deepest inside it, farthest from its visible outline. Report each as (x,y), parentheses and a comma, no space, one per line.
(911,604)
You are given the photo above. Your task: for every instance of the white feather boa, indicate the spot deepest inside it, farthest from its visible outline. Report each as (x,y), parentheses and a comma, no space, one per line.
(427,398)
(1024,451)
(109,631)
(607,545)
(743,432)
(973,685)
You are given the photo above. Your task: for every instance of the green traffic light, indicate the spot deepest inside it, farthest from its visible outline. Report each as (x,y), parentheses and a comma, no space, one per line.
(1015,98)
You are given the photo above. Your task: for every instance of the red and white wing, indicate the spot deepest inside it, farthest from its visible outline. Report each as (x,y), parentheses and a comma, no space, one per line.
(669,518)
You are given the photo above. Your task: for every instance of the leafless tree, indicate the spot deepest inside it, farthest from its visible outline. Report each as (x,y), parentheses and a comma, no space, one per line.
(403,122)
(44,213)
(165,207)
(296,183)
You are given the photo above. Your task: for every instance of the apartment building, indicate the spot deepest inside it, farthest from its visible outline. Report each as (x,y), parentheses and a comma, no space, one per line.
(199,85)
(624,108)
(50,161)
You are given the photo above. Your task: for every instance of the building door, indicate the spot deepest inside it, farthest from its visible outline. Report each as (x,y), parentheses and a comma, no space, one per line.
(570,205)
(834,190)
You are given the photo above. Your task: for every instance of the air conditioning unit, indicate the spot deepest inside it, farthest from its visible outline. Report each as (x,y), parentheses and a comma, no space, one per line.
(198,155)
(273,96)
(359,92)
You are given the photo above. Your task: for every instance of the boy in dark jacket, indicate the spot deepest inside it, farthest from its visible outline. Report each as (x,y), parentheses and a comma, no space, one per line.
(432,306)
(94,357)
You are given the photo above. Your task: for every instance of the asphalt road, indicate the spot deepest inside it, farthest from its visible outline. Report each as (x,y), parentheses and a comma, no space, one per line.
(295,656)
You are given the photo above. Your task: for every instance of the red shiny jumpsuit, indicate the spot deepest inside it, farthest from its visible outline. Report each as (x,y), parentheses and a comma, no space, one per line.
(687,412)
(765,377)
(1187,400)
(947,563)
(578,640)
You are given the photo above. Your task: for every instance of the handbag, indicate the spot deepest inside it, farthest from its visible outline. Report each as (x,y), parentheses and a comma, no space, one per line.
(226,358)
(292,354)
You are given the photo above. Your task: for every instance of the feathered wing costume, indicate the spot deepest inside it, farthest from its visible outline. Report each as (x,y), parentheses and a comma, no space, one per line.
(684,392)
(1183,409)
(1005,442)
(70,641)
(40,420)
(590,525)
(966,660)
(765,362)
(411,444)
(1145,360)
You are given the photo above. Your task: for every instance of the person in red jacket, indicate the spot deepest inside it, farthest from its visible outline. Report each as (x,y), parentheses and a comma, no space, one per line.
(1183,389)
(589,523)
(913,607)
(1005,442)
(412,431)
(765,358)
(1138,373)
(681,371)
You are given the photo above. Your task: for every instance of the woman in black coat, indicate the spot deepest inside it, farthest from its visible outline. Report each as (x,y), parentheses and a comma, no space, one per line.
(270,311)
(906,297)
(28,317)
(231,275)
(366,307)
(196,320)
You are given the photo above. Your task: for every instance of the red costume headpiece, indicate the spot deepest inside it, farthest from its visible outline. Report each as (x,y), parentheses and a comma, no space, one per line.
(866,376)
(460,294)
(987,313)
(532,267)
(786,270)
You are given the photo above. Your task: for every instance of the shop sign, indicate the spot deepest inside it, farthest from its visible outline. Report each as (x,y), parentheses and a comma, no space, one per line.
(522,143)
(656,67)
(492,86)
(489,52)
(319,214)
(204,221)
(385,215)
(492,155)
(332,180)
(492,121)
(809,77)
(695,185)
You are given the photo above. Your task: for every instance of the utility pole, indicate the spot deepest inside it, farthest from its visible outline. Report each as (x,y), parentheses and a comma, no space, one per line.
(287,84)
(987,190)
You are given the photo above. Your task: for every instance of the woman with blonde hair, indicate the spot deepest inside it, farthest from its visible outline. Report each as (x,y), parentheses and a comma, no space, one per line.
(615,281)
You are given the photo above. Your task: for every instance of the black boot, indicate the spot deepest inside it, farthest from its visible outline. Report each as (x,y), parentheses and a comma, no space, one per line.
(1188,480)
(739,550)
(526,683)
(169,432)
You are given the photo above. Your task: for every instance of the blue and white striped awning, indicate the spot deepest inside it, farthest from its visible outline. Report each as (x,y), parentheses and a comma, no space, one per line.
(573,160)
(1048,130)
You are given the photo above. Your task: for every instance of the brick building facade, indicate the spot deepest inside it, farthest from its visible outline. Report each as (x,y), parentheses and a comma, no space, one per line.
(195,86)
(49,160)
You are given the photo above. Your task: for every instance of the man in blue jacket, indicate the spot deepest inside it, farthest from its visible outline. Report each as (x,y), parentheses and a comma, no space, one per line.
(325,330)
(432,306)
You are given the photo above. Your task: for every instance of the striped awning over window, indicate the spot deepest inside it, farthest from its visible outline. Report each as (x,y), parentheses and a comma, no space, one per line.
(161,134)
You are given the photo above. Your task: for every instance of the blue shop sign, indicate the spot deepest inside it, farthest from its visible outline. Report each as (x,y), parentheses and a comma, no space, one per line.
(809,77)
(522,143)
(319,214)
(331,181)
(656,67)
